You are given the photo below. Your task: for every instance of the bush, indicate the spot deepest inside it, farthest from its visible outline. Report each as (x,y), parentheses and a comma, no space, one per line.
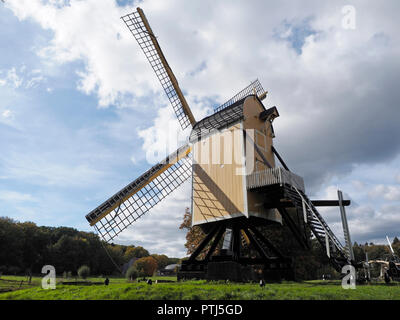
(131,274)
(83,272)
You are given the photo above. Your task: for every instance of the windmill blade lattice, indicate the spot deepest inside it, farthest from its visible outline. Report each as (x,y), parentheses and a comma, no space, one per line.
(137,198)
(139,27)
(254,87)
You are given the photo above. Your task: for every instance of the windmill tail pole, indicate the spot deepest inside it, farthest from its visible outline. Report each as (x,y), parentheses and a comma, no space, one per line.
(345,225)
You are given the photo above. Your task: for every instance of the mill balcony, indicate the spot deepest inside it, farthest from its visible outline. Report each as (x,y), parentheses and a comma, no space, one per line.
(274,176)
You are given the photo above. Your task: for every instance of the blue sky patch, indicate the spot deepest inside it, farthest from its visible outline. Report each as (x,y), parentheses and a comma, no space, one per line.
(294,33)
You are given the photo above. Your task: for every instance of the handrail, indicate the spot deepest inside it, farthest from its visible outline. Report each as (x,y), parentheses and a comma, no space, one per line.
(326,228)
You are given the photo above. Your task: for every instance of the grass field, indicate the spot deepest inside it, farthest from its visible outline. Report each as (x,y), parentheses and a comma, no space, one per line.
(195,290)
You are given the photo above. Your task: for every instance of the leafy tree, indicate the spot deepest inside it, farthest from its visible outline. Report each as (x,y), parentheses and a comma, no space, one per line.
(70,252)
(146,266)
(174,261)
(359,252)
(135,252)
(194,234)
(27,247)
(162,260)
(377,251)
(396,246)
(117,253)
(83,272)
(11,243)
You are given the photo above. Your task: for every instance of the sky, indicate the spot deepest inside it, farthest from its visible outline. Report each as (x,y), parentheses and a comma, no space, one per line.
(82,113)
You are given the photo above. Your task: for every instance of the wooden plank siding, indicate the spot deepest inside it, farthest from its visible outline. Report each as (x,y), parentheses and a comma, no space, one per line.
(218,190)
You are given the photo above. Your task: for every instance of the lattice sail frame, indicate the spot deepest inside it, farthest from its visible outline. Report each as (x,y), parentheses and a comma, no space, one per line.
(254,87)
(139,27)
(141,195)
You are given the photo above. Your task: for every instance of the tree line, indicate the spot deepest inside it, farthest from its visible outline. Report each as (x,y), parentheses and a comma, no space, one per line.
(25,248)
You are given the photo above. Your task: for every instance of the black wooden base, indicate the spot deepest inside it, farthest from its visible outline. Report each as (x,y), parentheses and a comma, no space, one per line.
(269,264)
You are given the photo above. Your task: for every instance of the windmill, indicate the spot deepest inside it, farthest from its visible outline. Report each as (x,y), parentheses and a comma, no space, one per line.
(232,197)
(389,266)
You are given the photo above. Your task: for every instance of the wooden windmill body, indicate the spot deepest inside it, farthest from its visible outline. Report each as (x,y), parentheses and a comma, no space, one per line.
(224,156)
(236,184)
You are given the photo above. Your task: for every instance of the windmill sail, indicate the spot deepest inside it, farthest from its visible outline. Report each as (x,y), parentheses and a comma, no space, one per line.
(254,88)
(141,30)
(390,245)
(137,198)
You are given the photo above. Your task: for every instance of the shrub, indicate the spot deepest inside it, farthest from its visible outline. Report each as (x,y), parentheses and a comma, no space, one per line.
(83,272)
(131,274)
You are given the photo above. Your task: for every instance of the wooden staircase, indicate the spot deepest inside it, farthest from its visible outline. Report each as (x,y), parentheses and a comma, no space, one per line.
(335,251)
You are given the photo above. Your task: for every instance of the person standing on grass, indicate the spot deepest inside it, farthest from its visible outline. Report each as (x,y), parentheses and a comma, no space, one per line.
(106,282)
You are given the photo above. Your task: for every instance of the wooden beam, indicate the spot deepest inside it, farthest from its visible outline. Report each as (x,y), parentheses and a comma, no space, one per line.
(279,158)
(215,243)
(203,244)
(329,203)
(316,203)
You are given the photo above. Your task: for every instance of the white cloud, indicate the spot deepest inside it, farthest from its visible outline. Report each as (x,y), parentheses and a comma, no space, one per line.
(33,82)
(13,78)
(133,160)
(6,113)
(358,185)
(7,117)
(46,172)
(22,78)
(158,230)
(163,138)
(92,31)
(13,196)
(391,193)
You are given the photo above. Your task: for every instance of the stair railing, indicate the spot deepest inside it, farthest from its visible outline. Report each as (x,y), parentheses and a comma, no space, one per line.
(326,229)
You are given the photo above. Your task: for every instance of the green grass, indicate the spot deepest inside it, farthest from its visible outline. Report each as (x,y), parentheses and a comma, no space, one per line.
(201,290)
